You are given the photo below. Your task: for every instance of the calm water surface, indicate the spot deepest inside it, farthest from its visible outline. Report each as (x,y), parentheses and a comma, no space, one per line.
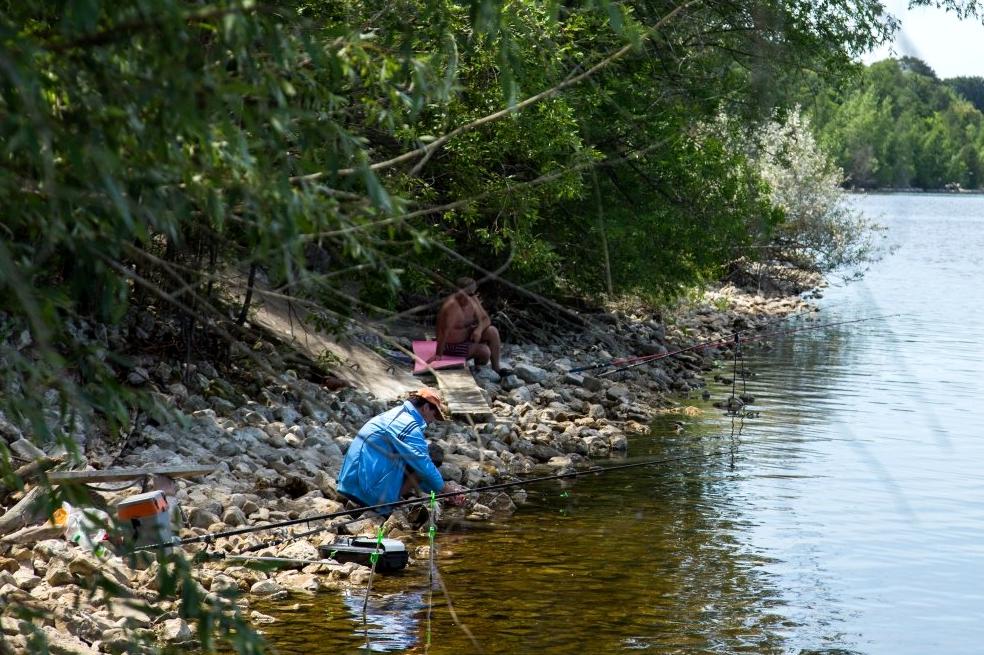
(846,518)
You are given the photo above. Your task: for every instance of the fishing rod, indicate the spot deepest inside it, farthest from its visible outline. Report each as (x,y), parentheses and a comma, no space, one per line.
(618,361)
(732,339)
(211,536)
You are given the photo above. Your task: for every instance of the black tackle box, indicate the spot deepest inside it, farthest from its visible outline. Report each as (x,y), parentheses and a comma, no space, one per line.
(393,554)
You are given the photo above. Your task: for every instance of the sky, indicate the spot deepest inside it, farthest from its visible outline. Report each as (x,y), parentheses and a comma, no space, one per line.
(950,46)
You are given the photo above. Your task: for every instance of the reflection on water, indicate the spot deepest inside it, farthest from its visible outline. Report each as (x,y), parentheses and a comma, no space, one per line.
(389,623)
(846,518)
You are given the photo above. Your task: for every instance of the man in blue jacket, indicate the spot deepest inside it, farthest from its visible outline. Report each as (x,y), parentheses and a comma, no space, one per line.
(389,455)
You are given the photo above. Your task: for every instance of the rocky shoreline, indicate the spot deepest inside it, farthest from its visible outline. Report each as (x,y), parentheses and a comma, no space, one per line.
(277,445)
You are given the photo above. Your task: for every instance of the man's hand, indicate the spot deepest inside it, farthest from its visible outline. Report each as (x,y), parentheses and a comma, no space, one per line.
(458,499)
(432,358)
(476,335)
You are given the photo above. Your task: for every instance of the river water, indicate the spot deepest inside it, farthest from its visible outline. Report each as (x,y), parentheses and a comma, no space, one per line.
(847,517)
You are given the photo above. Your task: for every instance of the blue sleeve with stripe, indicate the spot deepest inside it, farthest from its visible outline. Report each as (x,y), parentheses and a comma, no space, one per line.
(412,447)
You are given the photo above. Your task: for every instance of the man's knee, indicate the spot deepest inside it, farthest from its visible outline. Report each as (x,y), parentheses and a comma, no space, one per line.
(491,334)
(481,353)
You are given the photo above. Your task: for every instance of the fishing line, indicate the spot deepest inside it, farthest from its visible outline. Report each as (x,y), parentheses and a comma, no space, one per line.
(618,361)
(594,470)
(373,560)
(736,404)
(431,532)
(645,359)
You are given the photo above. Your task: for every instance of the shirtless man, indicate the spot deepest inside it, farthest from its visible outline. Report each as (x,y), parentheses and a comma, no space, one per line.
(464,328)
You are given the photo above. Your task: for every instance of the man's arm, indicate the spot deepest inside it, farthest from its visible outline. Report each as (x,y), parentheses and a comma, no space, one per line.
(413,449)
(483,320)
(442,331)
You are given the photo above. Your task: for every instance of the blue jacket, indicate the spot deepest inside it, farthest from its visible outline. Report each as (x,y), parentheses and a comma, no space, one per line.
(373,470)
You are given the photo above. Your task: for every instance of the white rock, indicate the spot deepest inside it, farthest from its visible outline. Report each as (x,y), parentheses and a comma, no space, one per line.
(265,588)
(175,631)
(260,618)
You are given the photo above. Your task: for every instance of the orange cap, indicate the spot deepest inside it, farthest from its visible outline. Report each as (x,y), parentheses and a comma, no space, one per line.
(434,398)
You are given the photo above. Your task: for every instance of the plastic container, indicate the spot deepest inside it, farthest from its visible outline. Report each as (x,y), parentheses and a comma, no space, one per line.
(148,517)
(84,527)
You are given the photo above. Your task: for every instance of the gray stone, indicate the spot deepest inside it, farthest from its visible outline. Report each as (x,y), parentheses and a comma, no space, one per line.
(26,450)
(259,618)
(26,579)
(562,463)
(488,375)
(592,383)
(521,395)
(175,631)
(573,378)
(163,372)
(511,382)
(563,364)
(451,471)
(287,414)
(58,574)
(222,583)
(200,518)
(500,503)
(221,406)
(529,373)
(178,390)
(597,446)
(299,582)
(618,392)
(138,376)
(8,431)
(618,442)
(300,549)
(234,517)
(60,643)
(265,588)
(545,453)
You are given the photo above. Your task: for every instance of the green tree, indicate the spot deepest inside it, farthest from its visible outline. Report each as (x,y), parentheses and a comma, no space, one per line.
(971,88)
(898,126)
(819,229)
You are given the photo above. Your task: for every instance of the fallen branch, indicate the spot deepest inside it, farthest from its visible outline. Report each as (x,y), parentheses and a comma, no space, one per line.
(24,513)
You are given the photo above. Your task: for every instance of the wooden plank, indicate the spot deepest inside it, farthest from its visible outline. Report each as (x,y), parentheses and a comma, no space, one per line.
(462,395)
(116,475)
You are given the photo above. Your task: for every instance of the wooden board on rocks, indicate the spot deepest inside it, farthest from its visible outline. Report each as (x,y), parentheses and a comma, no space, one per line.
(360,366)
(120,474)
(462,395)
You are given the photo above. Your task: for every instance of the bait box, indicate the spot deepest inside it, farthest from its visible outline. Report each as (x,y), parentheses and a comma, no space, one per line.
(147,514)
(393,554)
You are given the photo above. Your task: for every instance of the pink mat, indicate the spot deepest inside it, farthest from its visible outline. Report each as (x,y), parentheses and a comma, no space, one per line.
(424,349)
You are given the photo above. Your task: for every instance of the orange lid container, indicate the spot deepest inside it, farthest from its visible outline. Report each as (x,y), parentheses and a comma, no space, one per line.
(142,505)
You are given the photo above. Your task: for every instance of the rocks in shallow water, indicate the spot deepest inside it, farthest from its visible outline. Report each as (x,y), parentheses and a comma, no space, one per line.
(258,618)
(268,588)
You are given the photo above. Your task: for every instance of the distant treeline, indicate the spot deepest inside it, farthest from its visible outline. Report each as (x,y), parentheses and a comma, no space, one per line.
(899,126)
